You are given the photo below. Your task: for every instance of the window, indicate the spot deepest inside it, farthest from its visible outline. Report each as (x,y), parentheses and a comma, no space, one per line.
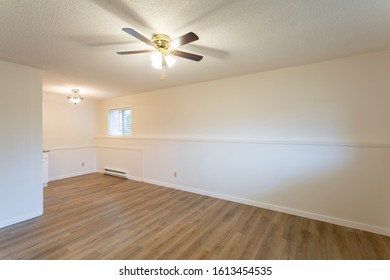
(120,122)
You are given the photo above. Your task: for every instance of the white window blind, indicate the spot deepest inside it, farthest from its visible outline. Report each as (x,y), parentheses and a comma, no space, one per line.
(120,122)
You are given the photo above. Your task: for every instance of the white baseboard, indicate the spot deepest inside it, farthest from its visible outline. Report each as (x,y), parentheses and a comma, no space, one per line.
(64,176)
(134,178)
(296,212)
(21,218)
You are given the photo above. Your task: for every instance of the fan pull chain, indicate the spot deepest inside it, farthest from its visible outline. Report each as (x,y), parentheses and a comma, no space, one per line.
(163,66)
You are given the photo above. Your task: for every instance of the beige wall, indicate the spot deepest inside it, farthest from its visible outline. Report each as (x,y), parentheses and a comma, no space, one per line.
(21,195)
(341,100)
(69,133)
(68,125)
(311,140)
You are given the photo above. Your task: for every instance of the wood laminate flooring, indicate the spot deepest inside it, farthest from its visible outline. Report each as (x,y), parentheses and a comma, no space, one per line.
(101,217)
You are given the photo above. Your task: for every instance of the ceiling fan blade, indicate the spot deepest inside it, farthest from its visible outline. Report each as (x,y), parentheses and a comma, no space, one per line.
(134,52)
(182,40)
(187,55)
(135,34)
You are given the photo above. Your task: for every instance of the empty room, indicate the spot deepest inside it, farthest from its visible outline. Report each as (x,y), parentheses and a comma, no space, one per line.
(191,130)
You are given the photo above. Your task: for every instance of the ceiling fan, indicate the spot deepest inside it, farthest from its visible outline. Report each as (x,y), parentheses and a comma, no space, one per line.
(165,49)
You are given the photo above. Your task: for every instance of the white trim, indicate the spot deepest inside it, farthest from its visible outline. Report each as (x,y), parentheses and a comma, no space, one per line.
(125,137)
(70,148)
(20,218)
(291,211)
(119,108)
(69,175)
(135,178)
(119,147)
(259,142)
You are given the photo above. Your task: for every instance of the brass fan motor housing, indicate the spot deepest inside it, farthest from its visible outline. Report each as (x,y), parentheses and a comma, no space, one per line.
(161,41)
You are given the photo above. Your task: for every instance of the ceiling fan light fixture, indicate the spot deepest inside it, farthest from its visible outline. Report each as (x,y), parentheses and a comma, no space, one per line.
(170,60)
(157,59)
(165,49)
(75,97)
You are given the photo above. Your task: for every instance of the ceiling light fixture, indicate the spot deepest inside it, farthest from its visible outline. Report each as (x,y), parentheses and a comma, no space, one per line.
(161,57)
(75,97)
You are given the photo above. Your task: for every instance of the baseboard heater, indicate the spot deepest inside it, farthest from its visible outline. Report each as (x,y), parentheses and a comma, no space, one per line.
(115,172)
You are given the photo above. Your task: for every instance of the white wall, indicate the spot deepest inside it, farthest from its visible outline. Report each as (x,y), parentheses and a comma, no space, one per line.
(69,133)
(21,195)
(311,140)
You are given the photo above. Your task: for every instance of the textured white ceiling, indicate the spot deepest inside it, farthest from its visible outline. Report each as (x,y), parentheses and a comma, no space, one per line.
(75,41)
